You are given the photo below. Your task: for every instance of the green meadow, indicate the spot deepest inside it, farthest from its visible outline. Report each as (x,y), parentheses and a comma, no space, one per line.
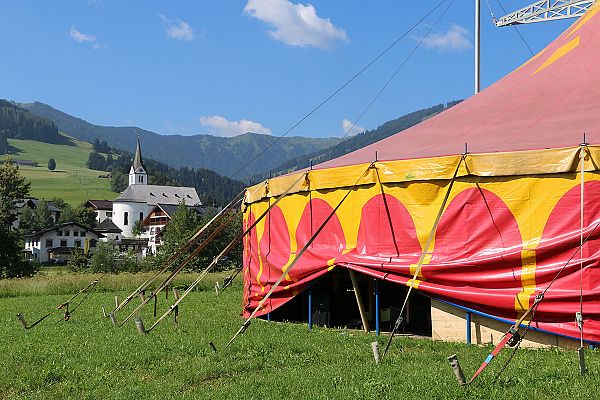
(71,179)
(89,358)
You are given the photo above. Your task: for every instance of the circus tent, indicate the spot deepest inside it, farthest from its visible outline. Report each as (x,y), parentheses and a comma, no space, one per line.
(503,183)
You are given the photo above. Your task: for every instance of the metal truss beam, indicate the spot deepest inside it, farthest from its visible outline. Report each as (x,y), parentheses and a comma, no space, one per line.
(546,10)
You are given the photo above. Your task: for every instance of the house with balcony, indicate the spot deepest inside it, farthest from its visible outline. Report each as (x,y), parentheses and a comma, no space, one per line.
(156,220)
(58,242)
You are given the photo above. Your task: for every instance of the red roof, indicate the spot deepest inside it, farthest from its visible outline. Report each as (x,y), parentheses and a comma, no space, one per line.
(549,102)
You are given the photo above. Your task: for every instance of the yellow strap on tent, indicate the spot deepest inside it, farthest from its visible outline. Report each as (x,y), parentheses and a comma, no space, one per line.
(411,283)
(298,256)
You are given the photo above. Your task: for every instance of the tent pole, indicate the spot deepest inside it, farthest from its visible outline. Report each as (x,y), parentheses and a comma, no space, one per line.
(579,315)
(310,321)
(359,302)
(477,45)
(468,320)
(377,327)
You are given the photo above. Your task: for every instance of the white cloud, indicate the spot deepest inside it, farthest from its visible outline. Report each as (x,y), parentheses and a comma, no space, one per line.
(353,130)
(178,29)
(455,38)
(81,37)
(295,24)
(224,127)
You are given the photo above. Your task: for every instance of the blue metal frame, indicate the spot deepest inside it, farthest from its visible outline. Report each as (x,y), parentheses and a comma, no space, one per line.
(509,322)
(468,318)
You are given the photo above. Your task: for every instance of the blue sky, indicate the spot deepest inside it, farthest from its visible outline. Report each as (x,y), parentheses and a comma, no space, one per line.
(224,67)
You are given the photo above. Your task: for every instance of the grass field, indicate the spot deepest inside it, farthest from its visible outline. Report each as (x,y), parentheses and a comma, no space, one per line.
(88,358)
(71,180)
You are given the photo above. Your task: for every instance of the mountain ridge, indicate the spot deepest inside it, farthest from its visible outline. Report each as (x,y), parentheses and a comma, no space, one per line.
(222,155)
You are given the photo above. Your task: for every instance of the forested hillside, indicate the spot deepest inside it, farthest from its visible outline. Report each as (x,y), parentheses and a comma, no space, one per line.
(223,155)
(211,187)
(361,140)
(18,123)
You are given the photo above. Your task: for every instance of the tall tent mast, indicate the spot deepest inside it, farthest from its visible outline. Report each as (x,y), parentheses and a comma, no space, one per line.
(477,45)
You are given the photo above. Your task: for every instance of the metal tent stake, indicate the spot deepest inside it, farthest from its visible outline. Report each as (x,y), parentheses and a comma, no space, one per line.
(212,347)
(22,320)
(176,309)
(581,350)
(582,367)
(458,372)
(375,348)
(139,324)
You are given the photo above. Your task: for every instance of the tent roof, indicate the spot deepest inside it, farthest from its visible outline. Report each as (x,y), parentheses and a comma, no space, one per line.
(549,102)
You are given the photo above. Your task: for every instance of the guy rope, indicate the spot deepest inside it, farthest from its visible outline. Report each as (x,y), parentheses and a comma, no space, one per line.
(424,254)
(218,258)
(186,246)
(64,306)
(512,336)
(298,256)
(227,220)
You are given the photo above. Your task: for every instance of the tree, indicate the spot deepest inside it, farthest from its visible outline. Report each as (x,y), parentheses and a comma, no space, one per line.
(185,222)
(96,161)
(78,262)
(180,228)
(12,188)
(101,147)
(51,164)
(137,228)
(85,216)
(27,222)
(106,258)
(3,141)
(118,181)
(43,217)
(82,215)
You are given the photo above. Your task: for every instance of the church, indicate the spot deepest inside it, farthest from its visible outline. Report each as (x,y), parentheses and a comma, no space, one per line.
(139,198)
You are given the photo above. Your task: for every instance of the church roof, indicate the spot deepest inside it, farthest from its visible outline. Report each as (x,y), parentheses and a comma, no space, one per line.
(154,194)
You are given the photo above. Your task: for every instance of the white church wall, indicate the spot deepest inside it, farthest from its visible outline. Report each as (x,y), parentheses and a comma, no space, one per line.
(133,210)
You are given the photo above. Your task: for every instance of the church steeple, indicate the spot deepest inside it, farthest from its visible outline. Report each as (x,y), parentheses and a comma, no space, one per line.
(137,159)
(137,173)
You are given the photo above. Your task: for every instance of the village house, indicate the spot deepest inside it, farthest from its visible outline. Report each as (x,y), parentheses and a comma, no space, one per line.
(102,208)
(58,242)
(109,231)
(32,203)
(158,217)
